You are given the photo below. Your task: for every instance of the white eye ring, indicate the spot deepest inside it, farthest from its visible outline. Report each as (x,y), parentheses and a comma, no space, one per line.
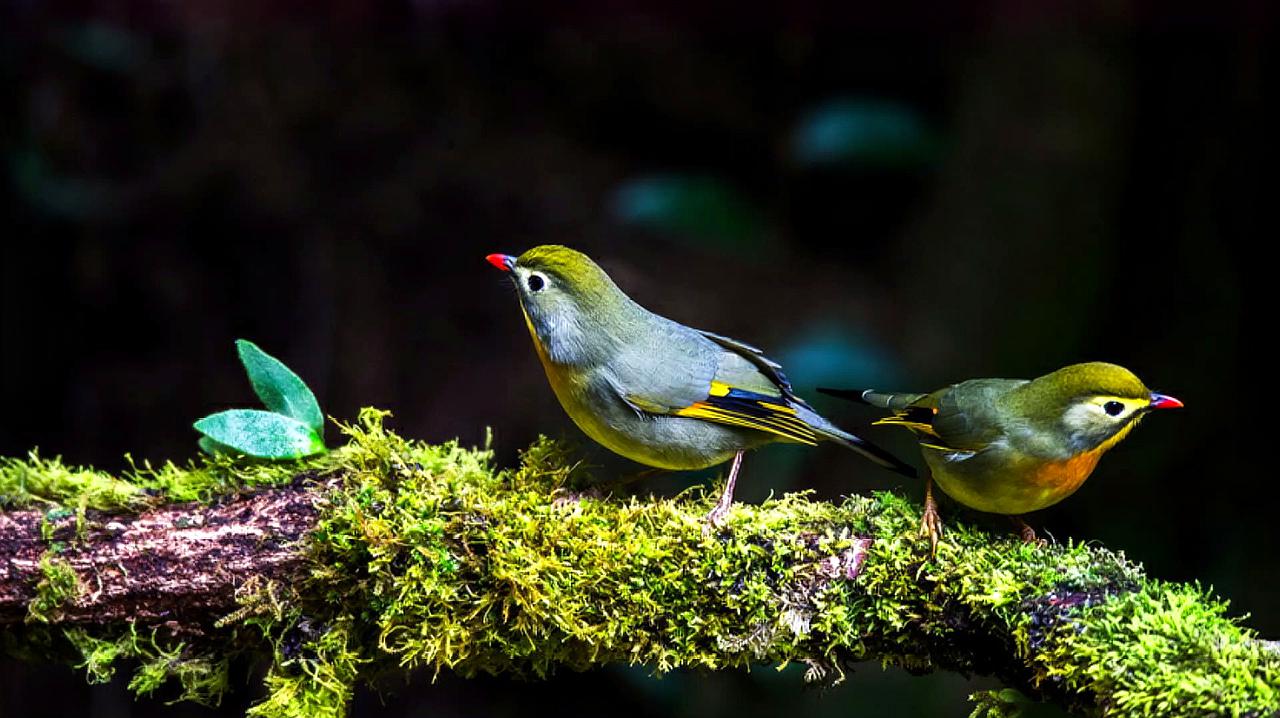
(536,281)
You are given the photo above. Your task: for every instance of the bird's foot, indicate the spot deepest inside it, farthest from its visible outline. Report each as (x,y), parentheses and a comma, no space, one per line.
(715,519)
(930,519)
(1026,533)
(931,526)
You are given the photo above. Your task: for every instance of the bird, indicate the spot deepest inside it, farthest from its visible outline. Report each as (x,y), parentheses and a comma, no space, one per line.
(651,389)
(1013,446)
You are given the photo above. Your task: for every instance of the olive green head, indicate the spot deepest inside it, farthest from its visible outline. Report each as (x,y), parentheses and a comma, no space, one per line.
(1093,405)
(572,306)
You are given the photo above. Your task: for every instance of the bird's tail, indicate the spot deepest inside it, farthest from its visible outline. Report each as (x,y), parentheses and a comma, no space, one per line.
(833,433)
(880,399)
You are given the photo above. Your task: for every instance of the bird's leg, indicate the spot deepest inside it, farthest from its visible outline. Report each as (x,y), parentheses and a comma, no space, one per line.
(1025,532)
(930,520)
(716,516)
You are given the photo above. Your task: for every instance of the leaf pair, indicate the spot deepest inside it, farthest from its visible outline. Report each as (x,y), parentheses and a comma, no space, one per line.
(292,428)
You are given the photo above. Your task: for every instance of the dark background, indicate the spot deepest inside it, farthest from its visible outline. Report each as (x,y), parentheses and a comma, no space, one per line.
(896,197)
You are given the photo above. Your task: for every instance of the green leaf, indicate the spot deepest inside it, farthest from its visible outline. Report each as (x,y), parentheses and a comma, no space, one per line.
(279,388)
(213,448)
(263,434)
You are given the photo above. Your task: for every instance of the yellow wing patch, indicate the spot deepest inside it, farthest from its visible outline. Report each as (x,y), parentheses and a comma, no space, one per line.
(735,407)
(910,420)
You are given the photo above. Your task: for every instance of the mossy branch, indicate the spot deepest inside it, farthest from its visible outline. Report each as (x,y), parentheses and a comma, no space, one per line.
(391,554)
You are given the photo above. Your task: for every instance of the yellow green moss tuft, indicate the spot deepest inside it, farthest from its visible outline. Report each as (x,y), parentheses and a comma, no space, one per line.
(1177,626)
(201,677)
(36,481)
(58,586)
(40,481)
(315,678)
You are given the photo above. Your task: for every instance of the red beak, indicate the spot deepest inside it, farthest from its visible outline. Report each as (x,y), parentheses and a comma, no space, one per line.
(1164,401)
(502,261)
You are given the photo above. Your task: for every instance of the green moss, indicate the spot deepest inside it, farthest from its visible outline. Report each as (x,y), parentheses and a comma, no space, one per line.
(1180,655)
(315,678)
(1002,703)
(58,586)
(201,677)
(36,481)
(428,556)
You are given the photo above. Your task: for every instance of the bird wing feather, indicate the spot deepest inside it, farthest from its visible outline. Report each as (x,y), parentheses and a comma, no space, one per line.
(964,417)
(719,380)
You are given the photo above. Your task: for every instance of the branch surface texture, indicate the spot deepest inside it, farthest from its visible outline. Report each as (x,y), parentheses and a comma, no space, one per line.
(390,554)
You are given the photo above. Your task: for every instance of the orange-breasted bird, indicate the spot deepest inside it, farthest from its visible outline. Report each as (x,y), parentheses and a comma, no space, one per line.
(1012,446)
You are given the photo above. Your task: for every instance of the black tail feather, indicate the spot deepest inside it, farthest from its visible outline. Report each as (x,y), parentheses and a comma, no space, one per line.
(877,455)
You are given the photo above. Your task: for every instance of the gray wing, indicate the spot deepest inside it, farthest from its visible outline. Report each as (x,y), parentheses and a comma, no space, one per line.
(699,376)
(969,416)
(763,365)
(670,369)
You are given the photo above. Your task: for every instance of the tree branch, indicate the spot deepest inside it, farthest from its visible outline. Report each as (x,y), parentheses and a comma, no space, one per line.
(179,564)
(393,553)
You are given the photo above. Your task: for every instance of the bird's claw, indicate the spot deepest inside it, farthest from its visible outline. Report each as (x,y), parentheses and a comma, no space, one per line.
(930,520)
(714,520)
(1026,533)
(931,526)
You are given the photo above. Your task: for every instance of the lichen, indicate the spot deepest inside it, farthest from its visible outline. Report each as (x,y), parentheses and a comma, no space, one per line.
(429,556)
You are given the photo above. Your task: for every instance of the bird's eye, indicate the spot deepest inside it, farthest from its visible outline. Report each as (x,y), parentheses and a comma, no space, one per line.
(536,282)
(1113,408)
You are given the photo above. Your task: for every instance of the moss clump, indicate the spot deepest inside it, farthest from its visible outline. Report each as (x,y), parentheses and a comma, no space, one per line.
(1165,649)
(427,556)
(37,481)
(316,678)
(469,569)
(201,677)
(999,703)
(58,586)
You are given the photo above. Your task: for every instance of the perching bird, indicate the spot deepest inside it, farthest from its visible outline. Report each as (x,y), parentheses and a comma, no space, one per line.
(1012,446)
(653,390)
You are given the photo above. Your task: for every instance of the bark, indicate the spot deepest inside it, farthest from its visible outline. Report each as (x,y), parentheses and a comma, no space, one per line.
(180,565)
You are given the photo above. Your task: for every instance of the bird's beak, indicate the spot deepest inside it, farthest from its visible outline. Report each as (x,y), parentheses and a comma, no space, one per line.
(502,261)
(1163,401)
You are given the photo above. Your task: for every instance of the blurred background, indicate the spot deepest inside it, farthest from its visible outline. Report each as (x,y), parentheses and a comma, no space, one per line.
(897,197)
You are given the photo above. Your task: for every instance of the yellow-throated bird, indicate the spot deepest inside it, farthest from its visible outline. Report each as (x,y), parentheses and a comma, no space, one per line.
(651,389)
(1012,446)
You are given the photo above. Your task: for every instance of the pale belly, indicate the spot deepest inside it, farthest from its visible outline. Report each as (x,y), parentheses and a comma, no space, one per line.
(665,442)
(998,484)
(674,443)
